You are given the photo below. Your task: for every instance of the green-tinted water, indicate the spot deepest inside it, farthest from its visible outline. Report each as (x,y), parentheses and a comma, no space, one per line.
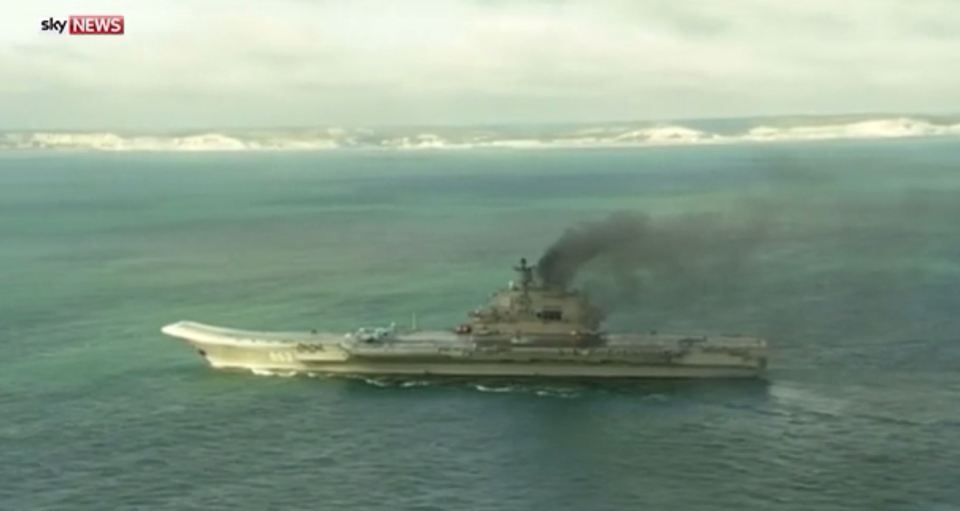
(856,282)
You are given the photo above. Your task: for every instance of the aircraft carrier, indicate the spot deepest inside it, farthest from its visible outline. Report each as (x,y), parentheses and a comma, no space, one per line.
(526,330)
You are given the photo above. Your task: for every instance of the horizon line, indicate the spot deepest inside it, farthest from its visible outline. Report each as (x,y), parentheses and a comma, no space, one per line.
(505,124)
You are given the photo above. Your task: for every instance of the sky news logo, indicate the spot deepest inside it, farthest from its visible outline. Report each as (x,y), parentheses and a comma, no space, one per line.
(85,25)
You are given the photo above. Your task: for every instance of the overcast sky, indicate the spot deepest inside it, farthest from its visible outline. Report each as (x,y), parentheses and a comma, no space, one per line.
(229,63)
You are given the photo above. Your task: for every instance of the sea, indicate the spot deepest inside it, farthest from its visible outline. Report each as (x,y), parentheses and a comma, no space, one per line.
(853,276)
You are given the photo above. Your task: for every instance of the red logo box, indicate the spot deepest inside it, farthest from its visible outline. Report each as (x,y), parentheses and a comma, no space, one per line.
(96,25)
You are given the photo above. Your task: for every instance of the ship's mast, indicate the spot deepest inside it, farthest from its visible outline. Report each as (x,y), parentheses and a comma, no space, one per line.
(526,274)
(526,280)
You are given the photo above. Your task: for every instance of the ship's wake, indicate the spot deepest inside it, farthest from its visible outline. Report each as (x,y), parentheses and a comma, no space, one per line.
(652,391)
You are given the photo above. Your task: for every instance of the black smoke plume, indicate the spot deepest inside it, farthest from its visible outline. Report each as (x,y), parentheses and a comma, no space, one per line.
(627,251)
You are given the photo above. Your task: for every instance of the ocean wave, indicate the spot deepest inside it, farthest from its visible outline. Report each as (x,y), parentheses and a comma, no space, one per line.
(258,371)
(488,388)
(620,135)
(536,390)
(504,387)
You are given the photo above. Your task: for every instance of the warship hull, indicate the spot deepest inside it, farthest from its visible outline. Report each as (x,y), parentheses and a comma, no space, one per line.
(443,353)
